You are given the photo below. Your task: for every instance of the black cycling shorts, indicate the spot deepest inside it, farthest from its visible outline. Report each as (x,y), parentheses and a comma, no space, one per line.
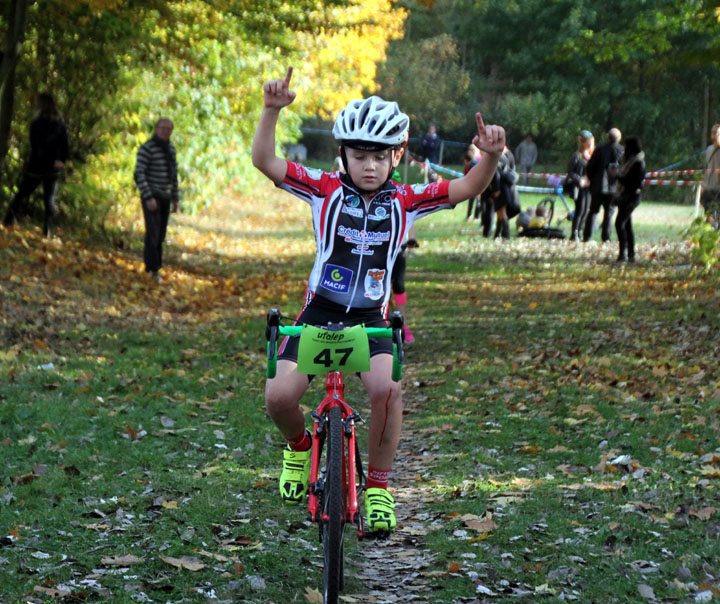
(320,311)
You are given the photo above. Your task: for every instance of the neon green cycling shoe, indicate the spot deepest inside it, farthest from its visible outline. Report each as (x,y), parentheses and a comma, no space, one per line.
(295,476)
(379,506)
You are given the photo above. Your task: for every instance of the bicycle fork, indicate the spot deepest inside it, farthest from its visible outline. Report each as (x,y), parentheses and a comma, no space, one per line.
(351,465)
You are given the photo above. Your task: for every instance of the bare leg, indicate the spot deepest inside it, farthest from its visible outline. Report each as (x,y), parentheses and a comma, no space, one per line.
(282,399)
(386,411)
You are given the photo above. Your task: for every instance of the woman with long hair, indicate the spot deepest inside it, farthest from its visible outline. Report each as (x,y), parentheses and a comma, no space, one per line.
(577,182)
(630,178)
(48,154)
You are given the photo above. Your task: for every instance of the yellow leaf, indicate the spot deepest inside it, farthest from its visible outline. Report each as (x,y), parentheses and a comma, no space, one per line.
(218,557)
(7,355)
(97,527)
(479,538)
(170,505)
(313,596)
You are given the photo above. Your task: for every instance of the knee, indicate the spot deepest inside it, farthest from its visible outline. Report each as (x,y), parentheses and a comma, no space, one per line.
(277,401)
(388,398)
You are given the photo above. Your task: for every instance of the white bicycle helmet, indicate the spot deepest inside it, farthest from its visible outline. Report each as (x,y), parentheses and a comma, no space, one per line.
(371,124)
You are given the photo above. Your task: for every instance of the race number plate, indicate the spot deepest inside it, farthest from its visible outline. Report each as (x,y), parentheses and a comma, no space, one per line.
(321,351)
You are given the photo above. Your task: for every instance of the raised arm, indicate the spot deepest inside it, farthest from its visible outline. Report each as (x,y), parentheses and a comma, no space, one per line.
(276,95)
(491,141)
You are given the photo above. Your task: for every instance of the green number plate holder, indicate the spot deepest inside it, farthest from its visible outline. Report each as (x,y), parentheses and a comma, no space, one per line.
(321,351)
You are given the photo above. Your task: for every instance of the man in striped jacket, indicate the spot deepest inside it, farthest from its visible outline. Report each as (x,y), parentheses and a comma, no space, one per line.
(156,178)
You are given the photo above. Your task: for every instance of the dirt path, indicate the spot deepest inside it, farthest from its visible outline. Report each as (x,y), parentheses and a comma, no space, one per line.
(395,570)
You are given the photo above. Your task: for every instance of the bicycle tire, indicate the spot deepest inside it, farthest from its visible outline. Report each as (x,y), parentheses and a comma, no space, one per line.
(333,509)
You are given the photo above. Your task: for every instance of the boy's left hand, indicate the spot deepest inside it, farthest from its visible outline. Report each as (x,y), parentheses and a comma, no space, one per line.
(490,139)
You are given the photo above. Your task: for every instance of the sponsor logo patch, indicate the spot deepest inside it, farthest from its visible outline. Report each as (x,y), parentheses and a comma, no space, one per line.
(362,236)
(374,283)
(380,214)
(314,173)
(336,278)
(355,212)
(353,201)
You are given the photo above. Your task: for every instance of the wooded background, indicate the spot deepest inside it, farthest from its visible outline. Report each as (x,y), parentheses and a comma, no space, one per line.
(551,68)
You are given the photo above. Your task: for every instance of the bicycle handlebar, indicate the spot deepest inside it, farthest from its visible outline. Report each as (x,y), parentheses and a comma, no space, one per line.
(274,329)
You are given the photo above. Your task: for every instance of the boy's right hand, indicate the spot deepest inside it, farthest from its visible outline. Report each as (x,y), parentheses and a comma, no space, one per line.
(277,92)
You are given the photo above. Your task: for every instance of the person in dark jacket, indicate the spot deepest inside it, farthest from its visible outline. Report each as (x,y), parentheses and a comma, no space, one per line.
(156,178)
(602,172)
(430,149)
(577,182)
(48,153)
(630,182)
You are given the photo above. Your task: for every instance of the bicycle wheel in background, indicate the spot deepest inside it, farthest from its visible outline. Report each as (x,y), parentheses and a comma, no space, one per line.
(333,509)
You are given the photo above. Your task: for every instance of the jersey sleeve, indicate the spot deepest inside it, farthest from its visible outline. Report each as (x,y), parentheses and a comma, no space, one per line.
(422,200)
(309,184)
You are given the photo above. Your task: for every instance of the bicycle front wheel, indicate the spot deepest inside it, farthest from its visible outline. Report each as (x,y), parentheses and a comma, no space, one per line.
(333,509)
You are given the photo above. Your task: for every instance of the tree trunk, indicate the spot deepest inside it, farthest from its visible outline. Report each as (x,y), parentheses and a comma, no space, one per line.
(16,15)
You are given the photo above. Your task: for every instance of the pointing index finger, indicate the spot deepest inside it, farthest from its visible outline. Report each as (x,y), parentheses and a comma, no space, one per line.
(288,75)
(478,117)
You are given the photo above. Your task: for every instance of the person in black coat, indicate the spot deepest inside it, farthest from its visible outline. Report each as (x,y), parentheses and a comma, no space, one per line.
(602,172)
(577,183)
(630,182)
(48,153)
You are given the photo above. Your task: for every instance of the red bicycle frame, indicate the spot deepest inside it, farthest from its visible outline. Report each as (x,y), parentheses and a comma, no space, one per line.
(334,397)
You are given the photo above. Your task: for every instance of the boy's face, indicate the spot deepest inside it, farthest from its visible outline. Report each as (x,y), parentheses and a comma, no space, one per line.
(370,170)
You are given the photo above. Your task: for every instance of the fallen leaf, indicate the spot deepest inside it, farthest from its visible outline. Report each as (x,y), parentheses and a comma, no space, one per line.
(646,591)
(184,562)
(126,560)
(313,596)
(218,557)
(482,526)
(51,592)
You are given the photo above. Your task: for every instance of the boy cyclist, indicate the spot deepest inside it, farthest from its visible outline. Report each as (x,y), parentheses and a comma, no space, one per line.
(360,220)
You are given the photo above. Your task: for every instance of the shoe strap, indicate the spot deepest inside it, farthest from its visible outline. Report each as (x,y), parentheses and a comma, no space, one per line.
(381,499)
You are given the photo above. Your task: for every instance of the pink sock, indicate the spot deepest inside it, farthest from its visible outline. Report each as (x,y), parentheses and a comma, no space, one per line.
(377,479)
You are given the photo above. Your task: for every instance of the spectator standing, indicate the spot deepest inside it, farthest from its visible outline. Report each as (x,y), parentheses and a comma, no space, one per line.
(157,179)
(631,175)
(602,172)
(577,182)
(430,149)
(503,195)
(526,155)
(48,153)
(711,179)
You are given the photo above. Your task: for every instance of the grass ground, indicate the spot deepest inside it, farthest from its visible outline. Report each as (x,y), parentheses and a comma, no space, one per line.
(565,410)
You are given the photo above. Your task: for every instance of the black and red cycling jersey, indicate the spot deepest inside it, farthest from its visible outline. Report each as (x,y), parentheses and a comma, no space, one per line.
(358,242)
